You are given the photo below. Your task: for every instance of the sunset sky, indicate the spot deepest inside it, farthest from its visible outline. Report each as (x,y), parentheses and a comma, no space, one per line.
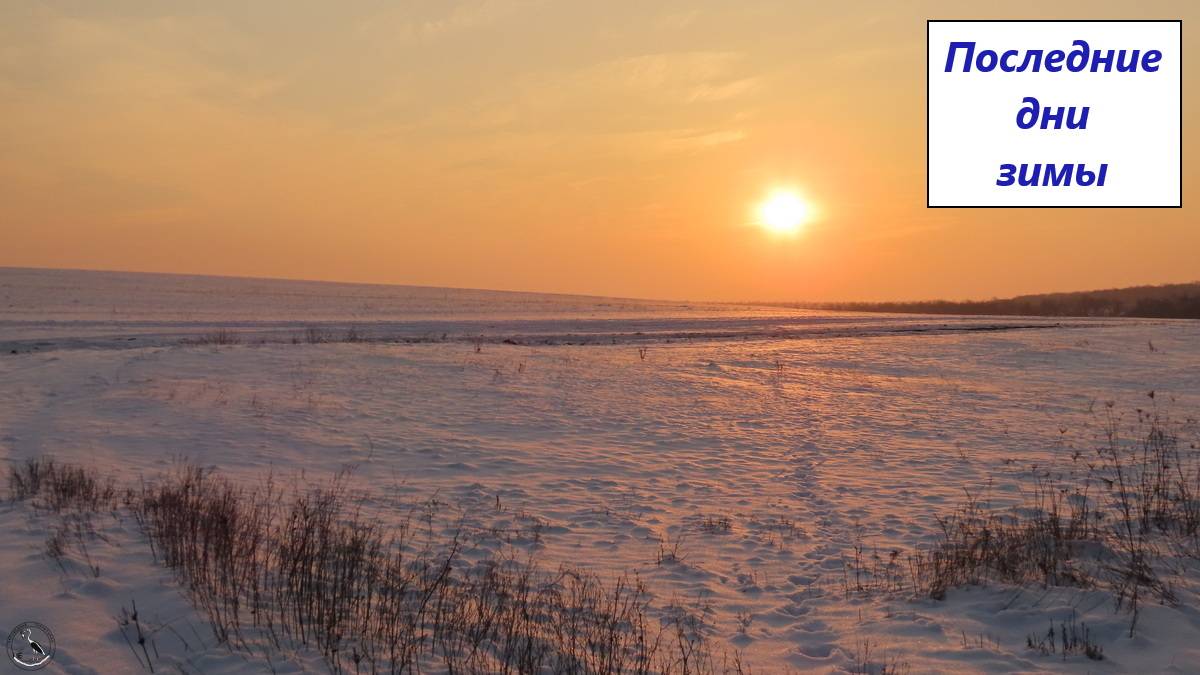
(615,148)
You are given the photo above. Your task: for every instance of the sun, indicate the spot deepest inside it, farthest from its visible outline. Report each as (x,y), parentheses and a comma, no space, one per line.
(783,212)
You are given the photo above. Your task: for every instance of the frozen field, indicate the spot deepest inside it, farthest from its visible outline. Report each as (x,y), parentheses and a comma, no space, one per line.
(731,457)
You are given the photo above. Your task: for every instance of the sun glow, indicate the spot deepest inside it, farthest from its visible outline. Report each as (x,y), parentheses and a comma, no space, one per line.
(783,212)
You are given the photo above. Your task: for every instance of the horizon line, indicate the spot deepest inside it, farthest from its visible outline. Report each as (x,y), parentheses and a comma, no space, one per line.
(798,304)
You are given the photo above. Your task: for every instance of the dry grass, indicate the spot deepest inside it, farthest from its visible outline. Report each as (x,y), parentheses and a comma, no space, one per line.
(1128,523)
(219,337)
(1068,638)
(61,487)
(276,571)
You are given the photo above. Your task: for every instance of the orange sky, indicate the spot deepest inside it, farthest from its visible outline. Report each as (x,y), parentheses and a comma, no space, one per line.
(590,147)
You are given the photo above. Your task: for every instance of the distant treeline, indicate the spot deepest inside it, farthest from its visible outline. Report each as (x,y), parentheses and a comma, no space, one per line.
(1172,301)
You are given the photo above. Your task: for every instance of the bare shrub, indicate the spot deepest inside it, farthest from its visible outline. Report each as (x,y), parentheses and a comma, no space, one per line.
(60,487)
(309,570)
(1035,544)
(1134,506)
(871,573)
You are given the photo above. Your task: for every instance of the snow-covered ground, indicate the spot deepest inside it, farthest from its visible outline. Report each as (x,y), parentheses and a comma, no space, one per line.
(759,444)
